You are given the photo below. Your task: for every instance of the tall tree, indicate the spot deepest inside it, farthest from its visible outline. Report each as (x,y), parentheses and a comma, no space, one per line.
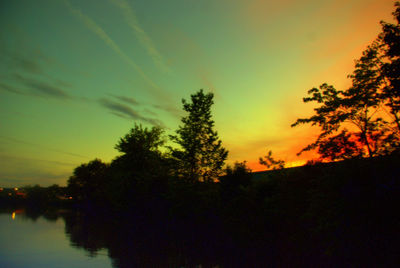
(363,102)
(355,122)
(348,120)
(389,40)
(328,116)
(201,155)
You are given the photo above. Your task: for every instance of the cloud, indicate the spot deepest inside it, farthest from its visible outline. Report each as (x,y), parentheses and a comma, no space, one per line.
(124,111)
(33,176)
(144,39)
(18,158)
(25,64)
(42,88)
(11,89)
(15,59)
(164,107)
(125,99)
(19,171)
(95,28)
(40,146)
(169,109)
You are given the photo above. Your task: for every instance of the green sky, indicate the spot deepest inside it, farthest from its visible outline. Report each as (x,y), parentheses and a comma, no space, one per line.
(76,75)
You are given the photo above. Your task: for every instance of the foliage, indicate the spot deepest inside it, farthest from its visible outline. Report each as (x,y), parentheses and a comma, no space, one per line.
(352,121)
(88,181)
(141,140)
(201,155)
(389,40)
(270,162)
(239,174)
(141,169)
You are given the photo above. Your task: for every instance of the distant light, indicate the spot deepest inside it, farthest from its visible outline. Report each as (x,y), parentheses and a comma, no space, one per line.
(13,216)
(70,197)
(1,189)
(15,189)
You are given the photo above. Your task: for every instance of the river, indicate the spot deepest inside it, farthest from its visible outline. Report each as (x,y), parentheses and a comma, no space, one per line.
(67,238)
(39,241)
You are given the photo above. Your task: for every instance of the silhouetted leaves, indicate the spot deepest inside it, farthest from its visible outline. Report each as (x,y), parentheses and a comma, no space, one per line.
(201,154)
(270,162)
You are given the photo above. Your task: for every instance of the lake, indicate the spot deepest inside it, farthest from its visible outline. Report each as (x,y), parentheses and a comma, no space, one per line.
(39,241)
(66,238)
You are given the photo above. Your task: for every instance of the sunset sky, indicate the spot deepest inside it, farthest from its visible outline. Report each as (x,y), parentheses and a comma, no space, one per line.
(76,75)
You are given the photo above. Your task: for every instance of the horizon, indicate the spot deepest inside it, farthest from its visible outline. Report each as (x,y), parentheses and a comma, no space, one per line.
(77,76)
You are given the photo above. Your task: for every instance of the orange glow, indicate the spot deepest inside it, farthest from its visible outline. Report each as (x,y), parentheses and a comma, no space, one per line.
(13,216)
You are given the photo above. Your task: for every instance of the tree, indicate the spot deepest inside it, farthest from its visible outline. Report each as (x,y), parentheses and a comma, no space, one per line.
(351,121)
(141,168)
(238,175)
(201,156)
(270,162)
(141,140)
(363,102)
(389,40)
(233,183)
(355,122)
(328,116)
(140,150)
(88,181)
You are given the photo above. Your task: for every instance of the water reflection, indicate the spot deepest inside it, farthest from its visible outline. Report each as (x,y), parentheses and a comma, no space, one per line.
(37,239)
(135,242)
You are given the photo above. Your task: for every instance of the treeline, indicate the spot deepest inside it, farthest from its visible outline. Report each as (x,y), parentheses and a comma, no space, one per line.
(34,196)
(144,173)
(339,214)
(334,214)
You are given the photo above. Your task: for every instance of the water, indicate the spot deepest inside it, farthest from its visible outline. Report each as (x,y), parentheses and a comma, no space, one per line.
(37,241)
(76,239)
(69,238)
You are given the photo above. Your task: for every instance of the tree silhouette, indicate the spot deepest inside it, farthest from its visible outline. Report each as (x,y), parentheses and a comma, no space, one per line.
(351,121)
(363,102)
(141,140)
(390,49)
(270,162)
(140,168)
(201,155)
(88,181)
(355,122)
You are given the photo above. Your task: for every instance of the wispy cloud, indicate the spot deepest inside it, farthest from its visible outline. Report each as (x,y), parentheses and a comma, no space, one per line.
(26,64)
(19,158)
(42,147)
(19,59)
(31,175)
(169,109)
(42,88)
(8,88)
(125,99)
(95,28)
(163,107)
(124,111)
(141,35)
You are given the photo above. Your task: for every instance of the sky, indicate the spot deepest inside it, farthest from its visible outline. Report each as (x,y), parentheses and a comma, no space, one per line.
(76,75)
